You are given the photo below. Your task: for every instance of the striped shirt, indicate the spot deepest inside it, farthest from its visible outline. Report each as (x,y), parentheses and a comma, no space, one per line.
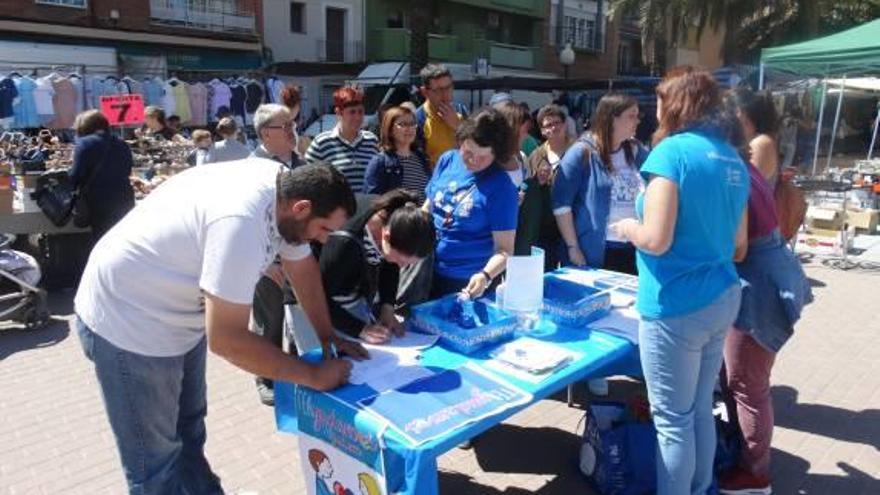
(351,158)
(415,179)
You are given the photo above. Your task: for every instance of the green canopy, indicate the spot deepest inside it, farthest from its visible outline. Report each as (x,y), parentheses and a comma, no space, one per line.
(854,52)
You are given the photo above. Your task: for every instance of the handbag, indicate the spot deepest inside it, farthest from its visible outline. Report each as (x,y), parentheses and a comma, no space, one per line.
(60,201)
(55,195)
(791,206)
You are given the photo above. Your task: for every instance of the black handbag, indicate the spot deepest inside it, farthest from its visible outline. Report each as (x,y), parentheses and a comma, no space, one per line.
(55,195)
(60,201)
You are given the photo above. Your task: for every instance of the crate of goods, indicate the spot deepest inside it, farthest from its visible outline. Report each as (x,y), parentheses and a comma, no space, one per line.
(863,219)
(464,326)
(573,304)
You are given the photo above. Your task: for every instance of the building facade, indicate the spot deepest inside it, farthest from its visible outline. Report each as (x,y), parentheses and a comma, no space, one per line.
(314,30)
(505,34)
(147,36)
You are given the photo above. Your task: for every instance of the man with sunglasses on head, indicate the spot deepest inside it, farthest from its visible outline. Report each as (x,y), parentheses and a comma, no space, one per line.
(347,146)
(439,117)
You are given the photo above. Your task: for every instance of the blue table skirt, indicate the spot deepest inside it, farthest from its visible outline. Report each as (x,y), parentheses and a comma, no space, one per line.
(414,470)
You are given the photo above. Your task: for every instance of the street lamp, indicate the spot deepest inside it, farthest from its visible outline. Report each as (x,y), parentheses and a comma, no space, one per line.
(566,58)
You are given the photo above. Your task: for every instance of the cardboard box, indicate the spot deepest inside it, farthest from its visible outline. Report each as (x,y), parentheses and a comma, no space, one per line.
(863,219)
(824,218)
(6,198)
(824,242)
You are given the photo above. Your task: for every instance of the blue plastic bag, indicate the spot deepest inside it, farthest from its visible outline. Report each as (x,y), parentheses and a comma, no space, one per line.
(617,453)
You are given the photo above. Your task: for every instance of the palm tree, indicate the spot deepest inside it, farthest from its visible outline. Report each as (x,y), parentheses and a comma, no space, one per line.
(420,15)
(748,24)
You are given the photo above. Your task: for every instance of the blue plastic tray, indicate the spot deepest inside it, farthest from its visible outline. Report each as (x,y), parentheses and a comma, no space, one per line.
(574,305)
(492,324)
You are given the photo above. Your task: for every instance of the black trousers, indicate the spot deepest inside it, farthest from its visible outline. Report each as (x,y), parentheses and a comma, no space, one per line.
(268,314)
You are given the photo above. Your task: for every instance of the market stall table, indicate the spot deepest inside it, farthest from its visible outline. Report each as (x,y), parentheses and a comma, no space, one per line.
(412,469)
(34,222)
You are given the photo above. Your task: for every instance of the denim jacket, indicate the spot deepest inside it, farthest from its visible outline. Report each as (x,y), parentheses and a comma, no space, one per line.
(775,290)
(385,173)
(584,189)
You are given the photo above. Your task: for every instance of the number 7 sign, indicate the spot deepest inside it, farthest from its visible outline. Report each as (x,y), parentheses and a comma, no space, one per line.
(123,110)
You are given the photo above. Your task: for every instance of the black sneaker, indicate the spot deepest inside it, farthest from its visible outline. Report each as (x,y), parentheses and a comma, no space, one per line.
(267,394)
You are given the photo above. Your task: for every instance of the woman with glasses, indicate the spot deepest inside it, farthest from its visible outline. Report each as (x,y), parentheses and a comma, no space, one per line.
(537,226)
(473,204)
(597,183)
(398,164)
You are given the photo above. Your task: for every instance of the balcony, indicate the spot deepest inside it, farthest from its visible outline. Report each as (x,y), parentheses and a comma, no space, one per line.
(223,16)
(531,8)
(515,56)
(393,44)
(347,52)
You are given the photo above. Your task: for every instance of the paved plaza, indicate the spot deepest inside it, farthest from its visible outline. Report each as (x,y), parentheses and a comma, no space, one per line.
(54,436)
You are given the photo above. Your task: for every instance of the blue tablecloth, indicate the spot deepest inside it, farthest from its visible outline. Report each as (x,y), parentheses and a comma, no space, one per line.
(414,470)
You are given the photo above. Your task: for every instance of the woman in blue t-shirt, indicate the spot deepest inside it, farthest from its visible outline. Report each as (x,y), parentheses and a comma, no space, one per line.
(596,184)
(474,206)
(692,214)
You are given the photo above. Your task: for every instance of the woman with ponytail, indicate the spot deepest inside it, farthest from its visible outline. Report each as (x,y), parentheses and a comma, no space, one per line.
(363,260)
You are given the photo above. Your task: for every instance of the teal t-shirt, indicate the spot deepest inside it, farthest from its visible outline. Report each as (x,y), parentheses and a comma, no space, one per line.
(713,188)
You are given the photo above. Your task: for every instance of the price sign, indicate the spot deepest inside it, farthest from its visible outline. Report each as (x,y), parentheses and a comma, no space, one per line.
(123,109)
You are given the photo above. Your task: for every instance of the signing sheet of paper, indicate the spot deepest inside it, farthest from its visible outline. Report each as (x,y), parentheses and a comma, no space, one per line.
(394,364)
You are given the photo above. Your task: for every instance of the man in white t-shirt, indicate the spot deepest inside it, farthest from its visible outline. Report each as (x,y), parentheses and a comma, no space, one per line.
(176,276)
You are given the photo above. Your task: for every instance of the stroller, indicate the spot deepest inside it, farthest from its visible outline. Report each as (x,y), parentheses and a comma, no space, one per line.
(20,298)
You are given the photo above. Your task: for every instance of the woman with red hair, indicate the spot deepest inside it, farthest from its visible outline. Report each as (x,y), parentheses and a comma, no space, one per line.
(691,216)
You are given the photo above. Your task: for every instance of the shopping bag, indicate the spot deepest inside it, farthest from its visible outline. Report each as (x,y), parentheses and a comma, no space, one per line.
(791,206)
(618,452)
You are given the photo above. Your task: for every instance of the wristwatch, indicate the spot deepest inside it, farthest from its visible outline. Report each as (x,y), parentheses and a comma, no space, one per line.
(488,277)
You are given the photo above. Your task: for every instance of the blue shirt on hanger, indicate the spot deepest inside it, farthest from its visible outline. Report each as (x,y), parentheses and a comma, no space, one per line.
(25,107)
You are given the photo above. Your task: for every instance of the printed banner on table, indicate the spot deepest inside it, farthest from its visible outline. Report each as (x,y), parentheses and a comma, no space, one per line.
(337,456)
(433,406)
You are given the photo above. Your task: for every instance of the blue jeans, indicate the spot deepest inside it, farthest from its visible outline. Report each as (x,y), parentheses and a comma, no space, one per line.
(681,358)
(156,407)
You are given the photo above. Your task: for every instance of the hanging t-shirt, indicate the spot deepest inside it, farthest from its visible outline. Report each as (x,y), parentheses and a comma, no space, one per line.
(274,87)
(208,229)
(254,96)
(198,101)
(153,92)
(220,103)
(466,209)
(626,184)
(43,94)
(8,94)
(64,102)
(181,98)
(77,82)
(169,102)
(25,108)
(237,100)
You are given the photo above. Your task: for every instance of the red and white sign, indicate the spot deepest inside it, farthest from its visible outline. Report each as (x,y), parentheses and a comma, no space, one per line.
(123,110)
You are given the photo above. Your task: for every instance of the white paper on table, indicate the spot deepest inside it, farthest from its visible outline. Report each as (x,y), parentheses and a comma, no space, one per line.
(623,322)
(413,340)
(508,370)
(524,290)
(388,367)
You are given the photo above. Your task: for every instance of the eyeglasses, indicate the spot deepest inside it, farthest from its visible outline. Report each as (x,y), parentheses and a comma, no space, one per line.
(551,125)
(406,124)
(287,127)
(442,89)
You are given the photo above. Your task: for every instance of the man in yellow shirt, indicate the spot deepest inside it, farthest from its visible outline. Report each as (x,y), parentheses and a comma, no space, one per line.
(439,116)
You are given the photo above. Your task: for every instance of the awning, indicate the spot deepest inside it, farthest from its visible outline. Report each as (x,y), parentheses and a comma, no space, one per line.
(855,51)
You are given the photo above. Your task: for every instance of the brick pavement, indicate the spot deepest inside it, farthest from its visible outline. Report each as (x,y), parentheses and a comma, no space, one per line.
(54,438)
